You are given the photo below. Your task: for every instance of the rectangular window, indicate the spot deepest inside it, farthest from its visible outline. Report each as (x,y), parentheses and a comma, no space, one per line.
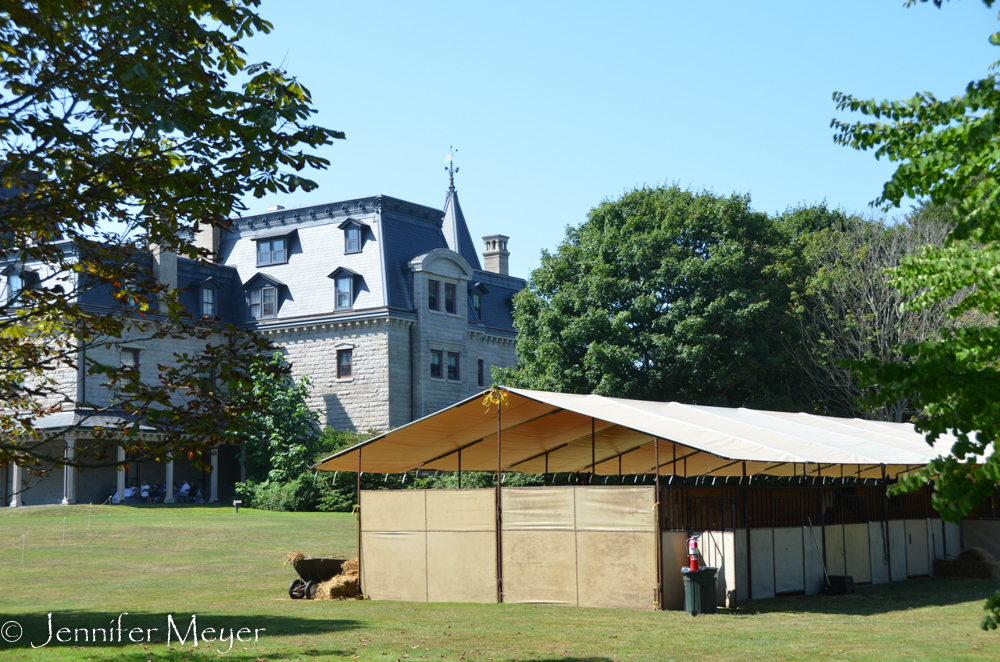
(344,293)
(271,251)
(432,295)
(449,298)
(15,285)
(436,363)
(477,304)
(207,302)
(344,362)
(453,366)
(130,359)
(255,304)
(269,302)
(481,369)
(352,239)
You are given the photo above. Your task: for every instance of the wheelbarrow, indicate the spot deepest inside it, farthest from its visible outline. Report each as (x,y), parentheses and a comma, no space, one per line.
(312,573)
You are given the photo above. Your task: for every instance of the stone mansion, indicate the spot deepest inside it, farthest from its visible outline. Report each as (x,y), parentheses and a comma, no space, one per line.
(383,303)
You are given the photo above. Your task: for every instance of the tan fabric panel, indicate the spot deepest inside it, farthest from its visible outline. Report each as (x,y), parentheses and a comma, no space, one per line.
(461,510)
(615,508)
(859,559)
(742,572)
(540,567)
(789,571)
(393,565)
(982,533)
(461,567)
(616,569)
(835,536)
(392,510)
(917,559)
(674,558)
(538,508)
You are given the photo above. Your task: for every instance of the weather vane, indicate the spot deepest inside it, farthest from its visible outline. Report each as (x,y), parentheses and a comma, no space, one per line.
(450,168)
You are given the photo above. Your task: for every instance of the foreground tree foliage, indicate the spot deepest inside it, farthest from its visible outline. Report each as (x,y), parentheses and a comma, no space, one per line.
(126,124)
(665,294)
(946,151)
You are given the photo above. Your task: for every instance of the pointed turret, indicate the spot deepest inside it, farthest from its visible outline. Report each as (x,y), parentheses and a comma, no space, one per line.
(456,232)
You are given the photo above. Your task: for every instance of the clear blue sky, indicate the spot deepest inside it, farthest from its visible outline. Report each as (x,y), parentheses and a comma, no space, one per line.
(555,107)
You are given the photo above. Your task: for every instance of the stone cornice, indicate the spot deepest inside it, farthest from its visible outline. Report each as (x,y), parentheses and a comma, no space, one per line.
(361,323)
(494,339)
(290,218)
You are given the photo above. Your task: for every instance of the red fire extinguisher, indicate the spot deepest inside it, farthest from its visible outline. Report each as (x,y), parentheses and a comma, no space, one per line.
(693,553)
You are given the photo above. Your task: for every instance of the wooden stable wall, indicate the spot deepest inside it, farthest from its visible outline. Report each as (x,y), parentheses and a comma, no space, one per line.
(786,560)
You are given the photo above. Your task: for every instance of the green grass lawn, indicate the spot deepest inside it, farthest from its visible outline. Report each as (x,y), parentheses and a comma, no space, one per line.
(226,569)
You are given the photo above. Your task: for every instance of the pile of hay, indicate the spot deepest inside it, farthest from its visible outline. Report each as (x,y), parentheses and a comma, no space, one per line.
(292,558)
(973,563)
(342,587)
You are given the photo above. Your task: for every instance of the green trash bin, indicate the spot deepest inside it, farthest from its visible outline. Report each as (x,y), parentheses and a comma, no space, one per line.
(700,590)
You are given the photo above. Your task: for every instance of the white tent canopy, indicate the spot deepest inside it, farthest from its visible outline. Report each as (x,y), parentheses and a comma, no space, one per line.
(549,432)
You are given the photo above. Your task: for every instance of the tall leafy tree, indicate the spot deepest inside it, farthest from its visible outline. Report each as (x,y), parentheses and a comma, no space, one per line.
(849,311)
(946,150)
(664,294)
(126,124)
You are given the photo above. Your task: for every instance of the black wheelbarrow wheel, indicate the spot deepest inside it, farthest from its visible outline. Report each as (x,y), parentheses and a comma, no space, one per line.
(297,589)
(310,589)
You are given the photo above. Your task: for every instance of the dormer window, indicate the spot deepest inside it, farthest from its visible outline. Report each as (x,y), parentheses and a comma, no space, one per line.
(17,282)
(274,246)
(352,239)
(476,292)
(263,303)
(208,303)
(345,288)
(15,285)
(272,251)
(352,236)
(344,292)
(264,294)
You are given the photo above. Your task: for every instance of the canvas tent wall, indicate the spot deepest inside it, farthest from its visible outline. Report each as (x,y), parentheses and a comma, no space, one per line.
(758,534)
(581,546)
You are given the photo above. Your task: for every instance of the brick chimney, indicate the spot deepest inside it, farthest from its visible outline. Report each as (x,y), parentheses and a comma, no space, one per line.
(495,254)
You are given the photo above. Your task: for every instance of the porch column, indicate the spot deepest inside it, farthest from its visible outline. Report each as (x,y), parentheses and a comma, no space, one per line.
(69,473)
(213,490)
(169,498)
(121,476)
(15,485)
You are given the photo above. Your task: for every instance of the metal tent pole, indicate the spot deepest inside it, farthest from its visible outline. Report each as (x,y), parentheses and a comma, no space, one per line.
(499,517)
(546,469)
(746,522)
(360,585)
(459,468)
(659,544)
(593,450)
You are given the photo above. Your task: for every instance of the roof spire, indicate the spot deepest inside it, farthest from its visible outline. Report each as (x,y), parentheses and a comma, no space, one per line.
(451,167)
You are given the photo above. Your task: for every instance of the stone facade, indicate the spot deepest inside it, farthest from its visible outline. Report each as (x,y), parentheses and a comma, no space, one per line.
(349,277)
(389,326)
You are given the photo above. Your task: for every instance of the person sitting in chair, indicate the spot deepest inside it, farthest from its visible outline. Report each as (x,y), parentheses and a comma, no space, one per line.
(184,492)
